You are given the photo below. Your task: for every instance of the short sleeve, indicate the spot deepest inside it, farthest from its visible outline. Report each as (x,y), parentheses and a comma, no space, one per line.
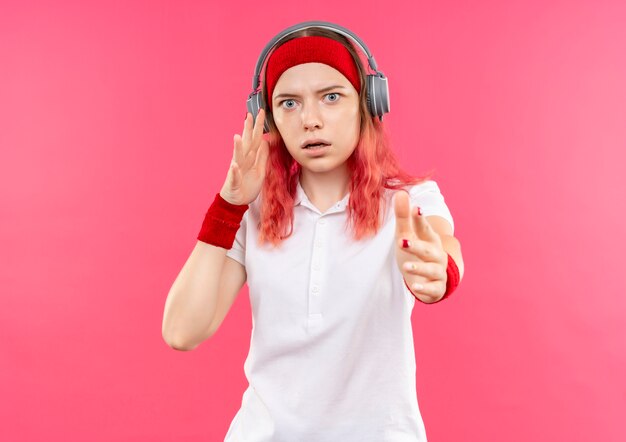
(428,197)
(238,250)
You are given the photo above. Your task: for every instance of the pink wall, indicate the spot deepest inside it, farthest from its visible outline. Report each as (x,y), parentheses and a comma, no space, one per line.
(116,125)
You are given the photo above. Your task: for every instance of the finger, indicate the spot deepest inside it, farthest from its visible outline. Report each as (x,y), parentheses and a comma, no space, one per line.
(432,289)
(422,250)
(237,149)
(428,270)
(403,219)
(262,156)
(257,133)
(246,134)
(235,176)
(422,227)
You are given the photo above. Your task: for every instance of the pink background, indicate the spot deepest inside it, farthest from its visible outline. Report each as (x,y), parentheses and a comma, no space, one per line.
(116,126)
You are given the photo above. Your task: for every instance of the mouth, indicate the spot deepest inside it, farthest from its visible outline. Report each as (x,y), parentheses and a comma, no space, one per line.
(313,144)
(317,149)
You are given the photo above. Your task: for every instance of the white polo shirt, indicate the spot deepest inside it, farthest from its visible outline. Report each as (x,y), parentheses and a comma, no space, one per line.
(331,352)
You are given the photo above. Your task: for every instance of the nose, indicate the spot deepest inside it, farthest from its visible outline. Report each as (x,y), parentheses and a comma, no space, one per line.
(311,117)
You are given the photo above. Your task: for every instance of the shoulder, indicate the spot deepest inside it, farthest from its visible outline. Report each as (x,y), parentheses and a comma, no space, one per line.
(425,186)
(427,195)
(426,192)
(425,189)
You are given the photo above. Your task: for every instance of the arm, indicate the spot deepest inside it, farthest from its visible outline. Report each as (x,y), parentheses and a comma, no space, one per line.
(191,301)
(200,297)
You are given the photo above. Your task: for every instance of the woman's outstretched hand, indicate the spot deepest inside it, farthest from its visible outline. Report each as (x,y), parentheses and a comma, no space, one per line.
(247,168)
(424,262)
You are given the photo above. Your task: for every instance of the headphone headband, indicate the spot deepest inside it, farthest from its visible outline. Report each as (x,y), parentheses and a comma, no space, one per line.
(305,25)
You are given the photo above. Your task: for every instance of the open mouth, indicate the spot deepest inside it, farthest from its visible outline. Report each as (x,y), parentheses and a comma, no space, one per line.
(315,146)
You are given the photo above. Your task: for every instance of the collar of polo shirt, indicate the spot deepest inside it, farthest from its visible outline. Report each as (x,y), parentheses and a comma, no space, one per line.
(301,197)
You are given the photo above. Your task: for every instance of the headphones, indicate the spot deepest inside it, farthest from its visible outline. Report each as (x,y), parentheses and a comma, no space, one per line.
(377,86)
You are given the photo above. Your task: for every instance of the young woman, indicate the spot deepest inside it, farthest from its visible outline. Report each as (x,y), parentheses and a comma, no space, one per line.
(305,218)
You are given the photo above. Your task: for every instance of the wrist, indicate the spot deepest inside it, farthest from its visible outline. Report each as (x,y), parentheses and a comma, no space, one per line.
(221,222)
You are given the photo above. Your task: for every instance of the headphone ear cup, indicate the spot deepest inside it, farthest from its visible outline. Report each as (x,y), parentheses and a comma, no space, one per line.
(254,103)
(377,95)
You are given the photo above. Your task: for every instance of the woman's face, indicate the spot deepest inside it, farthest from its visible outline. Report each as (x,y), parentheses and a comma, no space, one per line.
(315,101)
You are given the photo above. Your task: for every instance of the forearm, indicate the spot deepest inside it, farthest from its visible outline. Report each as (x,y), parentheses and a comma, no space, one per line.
(192,300)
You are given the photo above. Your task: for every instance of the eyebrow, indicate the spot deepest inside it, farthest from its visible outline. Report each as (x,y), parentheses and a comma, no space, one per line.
(335,86)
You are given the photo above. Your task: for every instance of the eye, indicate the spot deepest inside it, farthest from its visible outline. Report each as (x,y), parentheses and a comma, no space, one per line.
(287,101)
(333,94)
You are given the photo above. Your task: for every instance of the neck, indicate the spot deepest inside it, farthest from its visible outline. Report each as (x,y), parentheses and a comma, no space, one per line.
(327,188)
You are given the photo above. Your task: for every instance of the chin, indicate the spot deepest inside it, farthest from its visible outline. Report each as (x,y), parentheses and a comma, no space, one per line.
(325,166)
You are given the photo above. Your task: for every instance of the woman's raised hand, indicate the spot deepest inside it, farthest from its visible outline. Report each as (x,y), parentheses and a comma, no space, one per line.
(247,168)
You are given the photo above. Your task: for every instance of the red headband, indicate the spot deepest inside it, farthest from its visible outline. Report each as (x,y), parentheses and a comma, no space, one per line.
(310,49)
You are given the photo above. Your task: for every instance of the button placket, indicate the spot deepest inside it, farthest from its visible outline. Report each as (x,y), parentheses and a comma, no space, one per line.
(316,279)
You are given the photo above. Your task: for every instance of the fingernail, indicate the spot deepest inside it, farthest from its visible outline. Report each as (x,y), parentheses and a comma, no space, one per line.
(406,244)
(418,286)
(419,211)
